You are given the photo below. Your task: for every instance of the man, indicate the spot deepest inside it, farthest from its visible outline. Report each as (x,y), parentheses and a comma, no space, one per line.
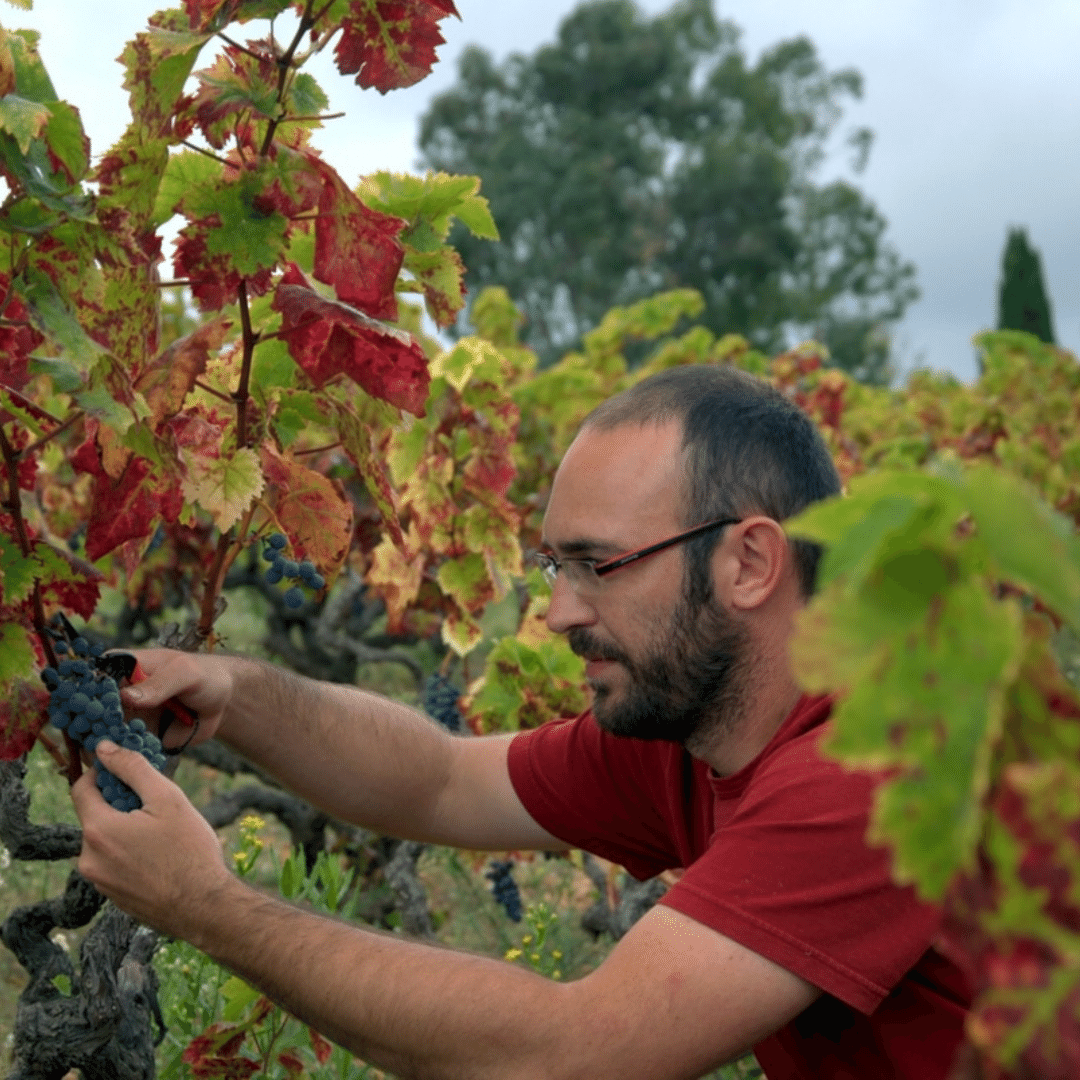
(674,580)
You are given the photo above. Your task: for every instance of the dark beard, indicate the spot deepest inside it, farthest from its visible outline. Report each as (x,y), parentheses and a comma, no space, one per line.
(689,688)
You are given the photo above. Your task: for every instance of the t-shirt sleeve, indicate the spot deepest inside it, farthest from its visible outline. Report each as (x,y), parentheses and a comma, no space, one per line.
(791,877)
(595,792)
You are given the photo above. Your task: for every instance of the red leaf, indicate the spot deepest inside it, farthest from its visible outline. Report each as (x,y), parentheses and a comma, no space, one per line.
(125,508)
(312,511)
(390,44)
(214,281)
(321,1046)
(291,1062)
(22,716)
(79,592)
(327,338)
(356,248)
(18,339)
(212,1054)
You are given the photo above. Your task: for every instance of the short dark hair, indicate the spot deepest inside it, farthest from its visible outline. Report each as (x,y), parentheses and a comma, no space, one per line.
(749,450)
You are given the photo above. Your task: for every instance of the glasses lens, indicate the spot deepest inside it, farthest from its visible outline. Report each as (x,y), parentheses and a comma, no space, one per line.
(580,574)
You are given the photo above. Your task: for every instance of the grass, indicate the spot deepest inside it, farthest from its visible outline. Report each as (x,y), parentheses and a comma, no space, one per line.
(464,913)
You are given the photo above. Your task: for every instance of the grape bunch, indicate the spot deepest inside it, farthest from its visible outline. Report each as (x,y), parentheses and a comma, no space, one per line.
(441,701)
(283,567)
(504,887)
(85,703)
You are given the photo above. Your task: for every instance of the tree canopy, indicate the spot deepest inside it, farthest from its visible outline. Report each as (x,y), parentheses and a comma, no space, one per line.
(641,153)
(1023,303)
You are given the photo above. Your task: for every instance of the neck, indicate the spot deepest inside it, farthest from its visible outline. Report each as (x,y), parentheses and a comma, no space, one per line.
(728,751)
(763,694)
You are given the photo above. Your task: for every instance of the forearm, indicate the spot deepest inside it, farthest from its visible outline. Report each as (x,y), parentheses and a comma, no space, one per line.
(417,1010)
(358,756)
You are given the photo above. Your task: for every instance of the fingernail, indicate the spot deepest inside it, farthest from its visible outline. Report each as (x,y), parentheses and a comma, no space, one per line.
(133,693)
(106,746)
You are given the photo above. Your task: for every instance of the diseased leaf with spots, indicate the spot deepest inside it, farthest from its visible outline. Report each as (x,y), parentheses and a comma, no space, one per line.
(327,338)
(357,250)
(126,507)
(23,700)
(389,44)
(223,486)
(396,574)
(66,580)
(17,573)
(312,510)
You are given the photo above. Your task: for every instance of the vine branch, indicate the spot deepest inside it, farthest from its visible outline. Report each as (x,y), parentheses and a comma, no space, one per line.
(74,418)
(307,21)
(251,339)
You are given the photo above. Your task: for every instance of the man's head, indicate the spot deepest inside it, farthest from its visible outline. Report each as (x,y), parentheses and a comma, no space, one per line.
(748,450)
(667,657)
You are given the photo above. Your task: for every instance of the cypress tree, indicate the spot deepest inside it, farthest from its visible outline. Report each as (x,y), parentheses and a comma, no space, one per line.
(1022,300)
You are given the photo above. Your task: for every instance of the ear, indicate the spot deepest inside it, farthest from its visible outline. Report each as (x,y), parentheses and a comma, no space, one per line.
(752,563)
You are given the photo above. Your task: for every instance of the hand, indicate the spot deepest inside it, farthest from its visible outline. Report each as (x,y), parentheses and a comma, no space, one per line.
(161,864)
(201,682)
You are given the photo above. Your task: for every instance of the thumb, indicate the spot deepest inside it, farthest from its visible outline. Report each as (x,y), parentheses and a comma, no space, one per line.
(129,766)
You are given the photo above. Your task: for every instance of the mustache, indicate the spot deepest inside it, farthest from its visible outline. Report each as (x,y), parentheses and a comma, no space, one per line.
(586,644)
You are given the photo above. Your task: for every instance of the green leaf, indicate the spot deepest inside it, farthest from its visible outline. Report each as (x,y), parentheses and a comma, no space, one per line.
(407,450)
(55,318)
(1031,545)
(925,694)
(471,359)
(475,214)
(66,378)
(185,171)
(224,486)
(23,120)
(272,368)
(17,573)
(62,983)
(298,411)
(67,140)
(31,79)
(466,579)
(292,878)
(251,239)
(884,513)
(238,998)
(17,658)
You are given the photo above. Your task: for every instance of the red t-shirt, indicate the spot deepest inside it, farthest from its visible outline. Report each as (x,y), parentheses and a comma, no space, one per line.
(775,859)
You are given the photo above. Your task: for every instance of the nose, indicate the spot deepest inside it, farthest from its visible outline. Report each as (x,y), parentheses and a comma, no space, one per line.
(567,609)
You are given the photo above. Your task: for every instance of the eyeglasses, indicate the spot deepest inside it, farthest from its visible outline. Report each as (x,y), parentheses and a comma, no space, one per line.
(584,575)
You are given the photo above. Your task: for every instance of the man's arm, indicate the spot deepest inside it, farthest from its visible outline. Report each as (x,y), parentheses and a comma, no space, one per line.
(673,1000)
(358,756)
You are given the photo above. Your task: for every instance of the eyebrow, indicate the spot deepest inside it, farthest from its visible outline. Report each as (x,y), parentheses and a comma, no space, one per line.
(583,547)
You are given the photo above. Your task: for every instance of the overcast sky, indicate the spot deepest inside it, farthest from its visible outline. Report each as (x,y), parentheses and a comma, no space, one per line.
(973,104)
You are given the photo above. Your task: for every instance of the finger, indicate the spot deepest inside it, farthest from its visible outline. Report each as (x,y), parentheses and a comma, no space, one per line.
(161,679)
(85,794)
(132,768)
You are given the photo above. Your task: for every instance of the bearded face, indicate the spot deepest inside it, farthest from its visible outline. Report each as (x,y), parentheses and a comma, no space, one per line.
(687,687)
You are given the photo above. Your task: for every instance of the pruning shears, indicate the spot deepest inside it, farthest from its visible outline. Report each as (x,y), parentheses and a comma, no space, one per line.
(124,665)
